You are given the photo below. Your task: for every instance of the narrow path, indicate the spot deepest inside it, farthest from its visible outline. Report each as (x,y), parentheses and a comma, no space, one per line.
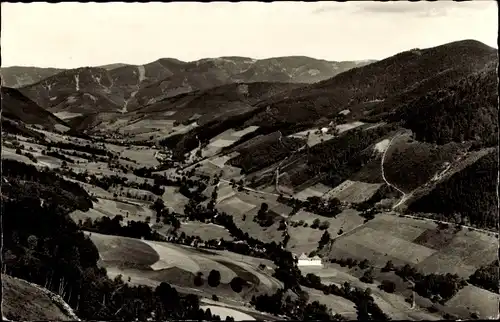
(383,172)
(405,195)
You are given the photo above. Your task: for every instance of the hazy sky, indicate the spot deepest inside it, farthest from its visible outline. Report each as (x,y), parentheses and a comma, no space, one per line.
(68,35)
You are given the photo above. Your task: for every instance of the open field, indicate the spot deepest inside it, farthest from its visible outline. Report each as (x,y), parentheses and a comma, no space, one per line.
(463,254)
(143,157)
(224,312)
(408,241)
(475,299)
(174,200)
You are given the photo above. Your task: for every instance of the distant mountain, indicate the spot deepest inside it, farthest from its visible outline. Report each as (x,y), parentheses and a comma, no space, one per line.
(17,107)
(129,87)
(18,76)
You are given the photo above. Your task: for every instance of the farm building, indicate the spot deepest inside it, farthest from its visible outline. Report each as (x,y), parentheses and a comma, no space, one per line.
(304,260)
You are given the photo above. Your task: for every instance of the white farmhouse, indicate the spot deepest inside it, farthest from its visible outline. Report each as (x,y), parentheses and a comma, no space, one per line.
(304,260)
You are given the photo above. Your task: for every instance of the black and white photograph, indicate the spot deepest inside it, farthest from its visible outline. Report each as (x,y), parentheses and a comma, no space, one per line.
(249,161)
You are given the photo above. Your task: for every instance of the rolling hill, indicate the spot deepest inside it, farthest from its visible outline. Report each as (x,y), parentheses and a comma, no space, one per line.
(19,76)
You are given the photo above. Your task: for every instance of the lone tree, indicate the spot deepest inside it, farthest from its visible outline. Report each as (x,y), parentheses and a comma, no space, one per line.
(214,278)
(198,280)
(325,238)
(388,286)
(389,266)
(262,211)
(237,284)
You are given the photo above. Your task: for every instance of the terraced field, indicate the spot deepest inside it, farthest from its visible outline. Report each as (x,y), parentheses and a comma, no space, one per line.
(153,262)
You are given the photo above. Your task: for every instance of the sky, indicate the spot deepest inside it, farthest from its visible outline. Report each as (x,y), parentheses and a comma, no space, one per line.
(69,35)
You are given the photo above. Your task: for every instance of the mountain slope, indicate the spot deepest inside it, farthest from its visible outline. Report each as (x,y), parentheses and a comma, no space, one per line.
(16,106)
(25,301)
(19,76)
(467,110)
(362,89)
(130,87)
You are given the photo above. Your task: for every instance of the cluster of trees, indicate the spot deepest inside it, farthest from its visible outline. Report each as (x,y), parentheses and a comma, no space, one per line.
(437,287)
(19,128)
(114,226)
(486,277)
(27,154)
(298,309)
(265,217)
(106,182)
(82,148)
(51,251)
(213,280)
(58,155)
(469,196)
(323,207)
(86,156)
(367,309)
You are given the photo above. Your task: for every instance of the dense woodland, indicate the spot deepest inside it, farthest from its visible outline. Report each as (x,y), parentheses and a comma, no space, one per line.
(265,154)
(337,159)
(411,164)
(469,195)
(487,277)
(467,111)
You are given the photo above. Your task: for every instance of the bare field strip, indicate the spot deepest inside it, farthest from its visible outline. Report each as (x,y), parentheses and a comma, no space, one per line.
(171,257)
(235,205)
(381,242)
(245,131)
(354,191)
(221,143)
(475,299)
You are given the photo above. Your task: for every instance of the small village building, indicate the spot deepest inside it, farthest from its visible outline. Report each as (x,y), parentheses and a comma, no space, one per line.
(304,260)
